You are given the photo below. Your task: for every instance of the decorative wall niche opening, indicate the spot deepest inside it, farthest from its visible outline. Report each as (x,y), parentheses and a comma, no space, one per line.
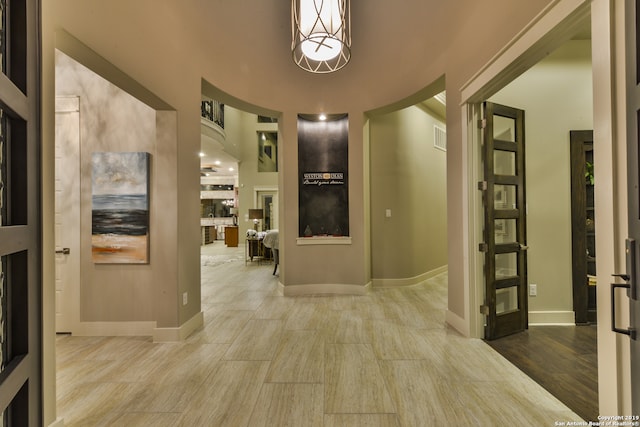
(267,151)
(323,165)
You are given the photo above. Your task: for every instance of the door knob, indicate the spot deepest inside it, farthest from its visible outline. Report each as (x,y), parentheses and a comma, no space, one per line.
(64,251)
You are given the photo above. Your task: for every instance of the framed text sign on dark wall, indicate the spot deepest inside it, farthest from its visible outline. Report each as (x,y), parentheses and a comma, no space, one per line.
(323,168)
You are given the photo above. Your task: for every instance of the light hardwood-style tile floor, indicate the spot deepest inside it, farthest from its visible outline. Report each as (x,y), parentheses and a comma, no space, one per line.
(262,359)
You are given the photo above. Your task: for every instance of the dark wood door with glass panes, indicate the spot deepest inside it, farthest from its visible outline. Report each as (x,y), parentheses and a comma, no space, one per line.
(583,226)
(20,235)
(504,245)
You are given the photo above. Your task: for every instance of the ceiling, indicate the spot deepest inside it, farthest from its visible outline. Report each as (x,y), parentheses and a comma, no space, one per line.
(393,55)
(218,164)
(214,160)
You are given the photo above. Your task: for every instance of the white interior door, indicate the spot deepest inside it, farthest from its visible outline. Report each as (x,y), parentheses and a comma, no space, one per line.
(267,199)
(67,213)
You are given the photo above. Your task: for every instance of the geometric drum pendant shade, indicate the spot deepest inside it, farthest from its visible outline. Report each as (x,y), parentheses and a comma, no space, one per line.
(321,34)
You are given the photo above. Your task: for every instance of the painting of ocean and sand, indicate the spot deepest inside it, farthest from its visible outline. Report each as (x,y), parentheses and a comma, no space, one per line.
(120,208)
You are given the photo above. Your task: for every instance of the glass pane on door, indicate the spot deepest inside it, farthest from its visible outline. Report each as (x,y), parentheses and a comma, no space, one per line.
(505,231)
(3,170)
(506,300)
(504,162)
(506,265)
(504,128)
(504,196)
(3,314)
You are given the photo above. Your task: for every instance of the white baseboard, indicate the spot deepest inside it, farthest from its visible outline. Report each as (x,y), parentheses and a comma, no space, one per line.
(388,283)
(552,318)
(180,333)
(143,329)
(125,329)
(325,289)
(456,322)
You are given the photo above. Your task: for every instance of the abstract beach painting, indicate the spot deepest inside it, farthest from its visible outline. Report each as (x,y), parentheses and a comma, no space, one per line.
(120,208)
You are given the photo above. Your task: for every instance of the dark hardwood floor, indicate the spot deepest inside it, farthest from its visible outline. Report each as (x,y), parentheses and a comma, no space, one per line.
(562,359)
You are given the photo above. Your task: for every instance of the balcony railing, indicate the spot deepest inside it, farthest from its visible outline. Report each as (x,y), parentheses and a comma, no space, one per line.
(213,111)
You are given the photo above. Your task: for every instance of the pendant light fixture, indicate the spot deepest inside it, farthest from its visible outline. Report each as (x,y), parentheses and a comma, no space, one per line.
(321,34)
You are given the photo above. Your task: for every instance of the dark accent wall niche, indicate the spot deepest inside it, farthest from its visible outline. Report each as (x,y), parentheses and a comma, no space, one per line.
(323,165)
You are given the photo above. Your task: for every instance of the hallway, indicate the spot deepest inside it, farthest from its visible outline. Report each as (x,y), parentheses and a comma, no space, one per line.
(261,359)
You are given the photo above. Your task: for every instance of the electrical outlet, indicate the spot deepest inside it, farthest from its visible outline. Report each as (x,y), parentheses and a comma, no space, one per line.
(185,298)
(387,213)
(533,290)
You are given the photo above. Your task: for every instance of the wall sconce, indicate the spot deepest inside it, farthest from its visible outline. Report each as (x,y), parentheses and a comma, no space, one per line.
(321,34)
(256,215)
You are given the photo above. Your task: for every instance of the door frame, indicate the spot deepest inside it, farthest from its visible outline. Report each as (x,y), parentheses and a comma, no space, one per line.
(71,238)
(258,189)
(632,99)
(579,141)
(555,25)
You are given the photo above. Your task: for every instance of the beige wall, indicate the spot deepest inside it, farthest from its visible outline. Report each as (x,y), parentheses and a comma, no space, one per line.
(330,266)
(172,275)
(113,120)
(173,65)
(556,95)
(408,176)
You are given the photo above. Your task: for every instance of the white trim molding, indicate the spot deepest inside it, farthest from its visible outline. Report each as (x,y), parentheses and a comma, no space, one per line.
(180,333)
(116,329)
(322,240)
(144,329)
(553,26)
(409,281)
(539,318)
(325,289)
(456,322)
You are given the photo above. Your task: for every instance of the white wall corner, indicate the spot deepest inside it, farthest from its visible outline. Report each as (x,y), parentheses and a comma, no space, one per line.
(180,333)
(456,322)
